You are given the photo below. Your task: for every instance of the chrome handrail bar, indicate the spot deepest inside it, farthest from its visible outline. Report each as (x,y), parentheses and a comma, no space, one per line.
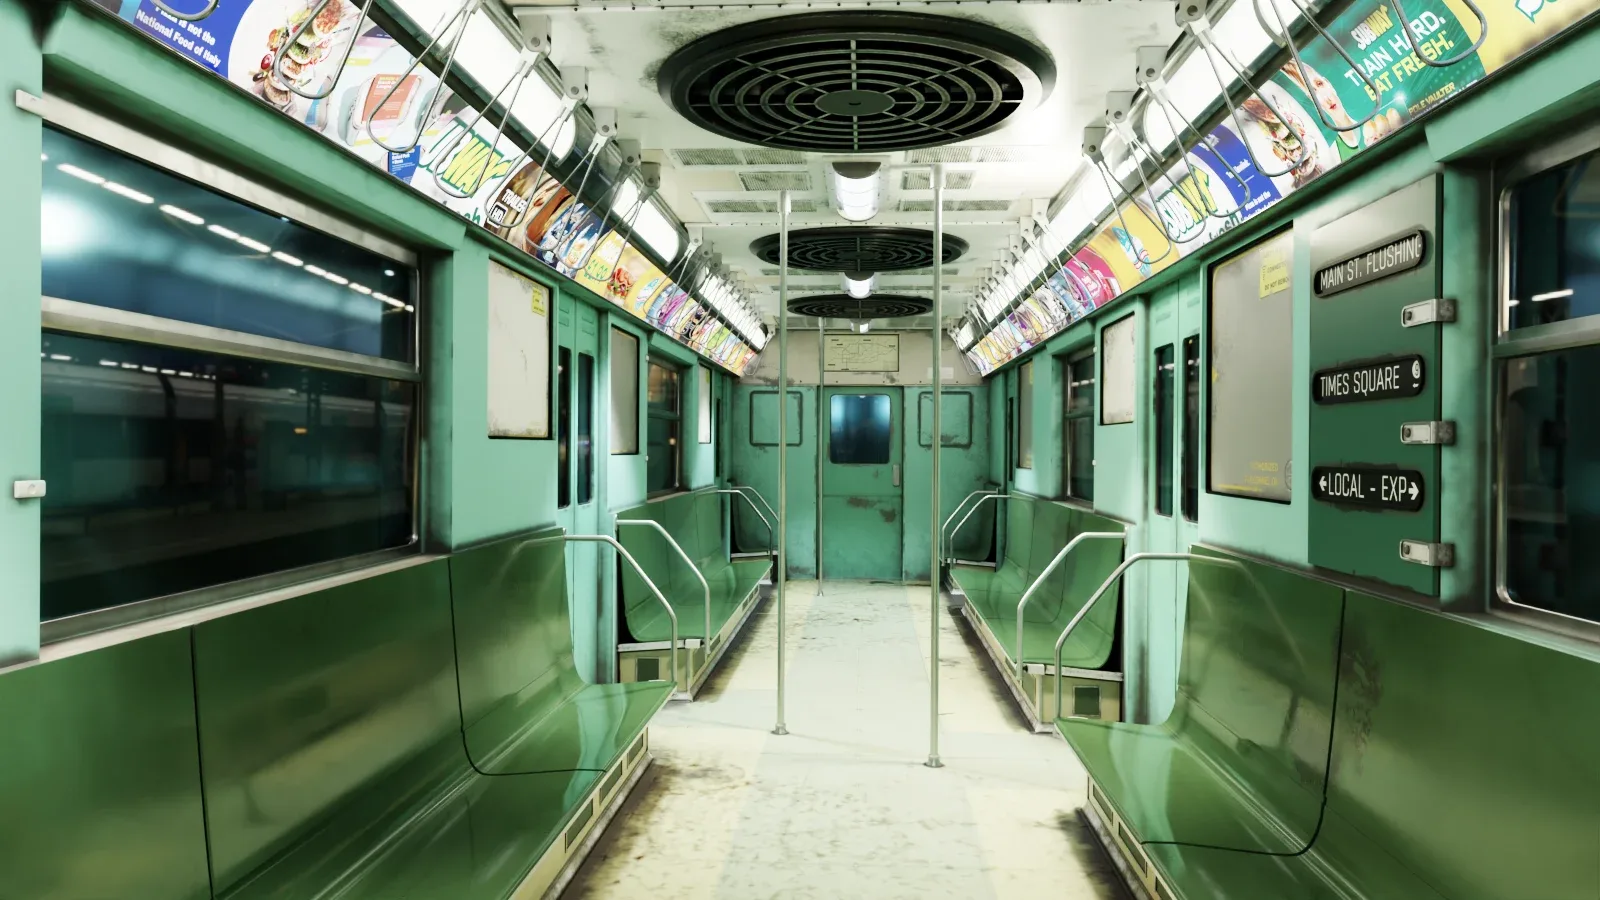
(772,541)
(1099,592)
(623,552)
(959,506)
(704,585)
(1061,555)
(975,507)
(746,487)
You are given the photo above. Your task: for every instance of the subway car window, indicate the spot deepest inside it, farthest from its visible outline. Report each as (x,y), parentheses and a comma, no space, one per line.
(664,448)
(1079,430)
(1191,429)
(860,431)
(1163,417)
(1025,416)
(585,425)
(563,428)
(119,233)
(624,393)
(1554,224)
(1550,437)
(279,434)
(172,470)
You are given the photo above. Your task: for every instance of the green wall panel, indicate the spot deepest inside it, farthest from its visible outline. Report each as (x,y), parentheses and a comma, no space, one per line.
(100,776)
(753,458)
(964,467)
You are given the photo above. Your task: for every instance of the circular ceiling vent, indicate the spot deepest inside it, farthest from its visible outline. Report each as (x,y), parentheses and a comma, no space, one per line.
(844,306)
(856,82)
(859,248)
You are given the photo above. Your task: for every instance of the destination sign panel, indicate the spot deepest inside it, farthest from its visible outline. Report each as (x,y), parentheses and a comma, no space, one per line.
(1399,255)
(1368,487)
(1385,379)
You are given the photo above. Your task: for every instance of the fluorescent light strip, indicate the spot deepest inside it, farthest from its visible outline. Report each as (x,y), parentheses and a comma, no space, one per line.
(285,258)
(80,174)
(181,214)
(253,244)
(220,231)
(123,190)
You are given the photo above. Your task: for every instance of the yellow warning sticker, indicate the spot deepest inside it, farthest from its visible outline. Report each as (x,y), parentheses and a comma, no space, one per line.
(1274,274)
(541,298)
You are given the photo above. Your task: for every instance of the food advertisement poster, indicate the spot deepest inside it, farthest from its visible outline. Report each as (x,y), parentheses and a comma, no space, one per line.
(399,118)
(1306,120)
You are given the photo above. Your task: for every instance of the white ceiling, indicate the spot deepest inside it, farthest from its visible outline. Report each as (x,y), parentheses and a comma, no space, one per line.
(993,179)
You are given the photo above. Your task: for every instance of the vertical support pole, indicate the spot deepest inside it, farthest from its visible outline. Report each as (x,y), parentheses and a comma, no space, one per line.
(783,436)
(937,440)
(822,422)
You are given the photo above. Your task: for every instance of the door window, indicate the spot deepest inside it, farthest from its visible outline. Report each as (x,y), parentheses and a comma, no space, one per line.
(860,430)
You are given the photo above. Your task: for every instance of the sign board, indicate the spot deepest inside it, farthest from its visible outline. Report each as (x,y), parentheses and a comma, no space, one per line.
(1382,488)
(863,353)
(1392,257)
(1386,379)
(519,355)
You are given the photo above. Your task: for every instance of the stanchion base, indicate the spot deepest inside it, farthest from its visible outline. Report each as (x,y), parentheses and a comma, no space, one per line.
(934,763)
(780,730)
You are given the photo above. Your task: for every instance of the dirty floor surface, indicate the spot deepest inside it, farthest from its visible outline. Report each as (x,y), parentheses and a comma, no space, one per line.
(843,806)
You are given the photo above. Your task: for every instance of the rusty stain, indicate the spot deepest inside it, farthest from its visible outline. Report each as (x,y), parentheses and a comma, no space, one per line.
(859,502)
(888,514)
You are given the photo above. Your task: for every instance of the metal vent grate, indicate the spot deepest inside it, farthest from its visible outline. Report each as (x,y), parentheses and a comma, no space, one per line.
(760,157)
(940,154)
(775,181)
(708,157)
(844,306)
(955,206)
(923,181)
(853,82)
(740,206)
(870,248)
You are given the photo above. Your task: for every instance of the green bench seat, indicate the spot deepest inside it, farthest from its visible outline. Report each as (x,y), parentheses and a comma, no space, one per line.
(421,733)
(1241,763)
(1036,532)
(1462,766)
(695,521)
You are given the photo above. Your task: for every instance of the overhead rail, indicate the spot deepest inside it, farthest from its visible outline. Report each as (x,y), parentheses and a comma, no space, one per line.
(1027,594)
(699,576)
(613,543)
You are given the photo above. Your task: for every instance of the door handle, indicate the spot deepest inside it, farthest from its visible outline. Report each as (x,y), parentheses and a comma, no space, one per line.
(896,474)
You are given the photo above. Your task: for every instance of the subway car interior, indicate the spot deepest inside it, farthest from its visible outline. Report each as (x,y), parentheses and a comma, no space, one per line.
(490,449)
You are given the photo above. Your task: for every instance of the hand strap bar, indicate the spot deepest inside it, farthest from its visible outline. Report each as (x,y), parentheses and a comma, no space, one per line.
(1099,592)
(457,21)
(772,543)
(1201,31)
(623,552)
(957,530)
(704,585)
(1306,75)
(1060,556)
(210,7)
(1156,88)
(1114,189)
(294,38)
(1414,40)
(525,68)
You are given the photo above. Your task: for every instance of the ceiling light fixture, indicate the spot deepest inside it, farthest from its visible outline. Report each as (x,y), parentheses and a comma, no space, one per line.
(856,187)
(859,284)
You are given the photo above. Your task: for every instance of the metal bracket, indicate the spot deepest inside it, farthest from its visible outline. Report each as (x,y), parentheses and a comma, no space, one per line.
(1440,433)
(605,121)
(30,489)
(535,30)
(1438,556)
(575,83)
(1428,312)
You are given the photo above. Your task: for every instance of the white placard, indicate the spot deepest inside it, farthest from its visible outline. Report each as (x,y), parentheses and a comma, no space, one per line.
(863,353)
(519,355)
(1118,368)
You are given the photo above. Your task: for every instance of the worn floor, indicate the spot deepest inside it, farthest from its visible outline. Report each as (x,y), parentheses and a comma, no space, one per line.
(843,806)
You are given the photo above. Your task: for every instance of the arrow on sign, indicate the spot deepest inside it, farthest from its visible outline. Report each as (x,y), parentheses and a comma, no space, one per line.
(1413,491)
(1323,482)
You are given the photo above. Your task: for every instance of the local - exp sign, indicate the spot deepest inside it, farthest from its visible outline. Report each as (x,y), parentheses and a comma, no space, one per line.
(1386,379)
(1399,255)
(1381,488)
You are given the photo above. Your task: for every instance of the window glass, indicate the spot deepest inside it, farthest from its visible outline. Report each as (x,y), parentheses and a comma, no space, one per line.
(859,429)
(1252,423)
(563,428)
(702,396)
(624,393)
(664,451)
(1079,428)
(1163,417)
(1118,372)
(172,470)
(1555,238)
(119,233)
(1191,428)
(585,442)
(1025,416)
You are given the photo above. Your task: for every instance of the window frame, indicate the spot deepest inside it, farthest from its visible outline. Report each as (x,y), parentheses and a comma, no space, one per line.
(611,392)
(1163,409)
(1068,416)
(1024,417)
(89,320)
(1529,342)
(864,391)
(1189,446)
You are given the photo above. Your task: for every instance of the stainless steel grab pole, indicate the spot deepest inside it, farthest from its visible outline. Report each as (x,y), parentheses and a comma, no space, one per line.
(639,570)
(937,440)
(822,382)
(704,585)
(1065,552)
(783,435)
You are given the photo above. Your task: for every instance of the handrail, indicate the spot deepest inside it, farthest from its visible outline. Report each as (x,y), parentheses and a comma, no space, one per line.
(772,542)
(957,530)
(959,506)
(758,496)
(623,552)
(706,586)
(1064,552)
(1106,586)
